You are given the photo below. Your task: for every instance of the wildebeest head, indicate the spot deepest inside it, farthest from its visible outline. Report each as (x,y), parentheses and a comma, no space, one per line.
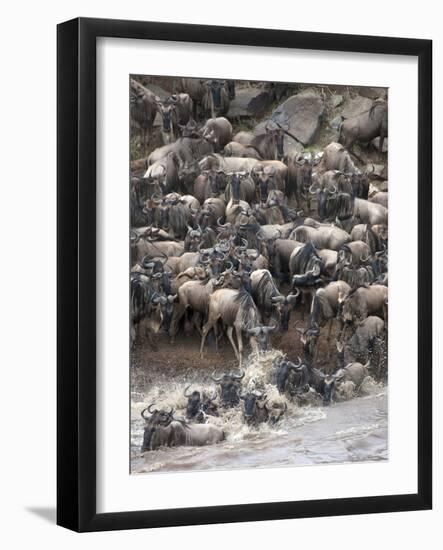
(166,306)
(290,376)
(158,419)
(194,402)
(255,407)
(351,306)
(261,334)
(360,185)
(277,131)
(168,113)
(308,338)
(304,163)
(328,390)
(230,385)
(216,87)
(284,304)
(277,412)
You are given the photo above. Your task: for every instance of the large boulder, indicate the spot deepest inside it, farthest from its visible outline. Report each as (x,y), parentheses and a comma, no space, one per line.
(303,112)
(355,106)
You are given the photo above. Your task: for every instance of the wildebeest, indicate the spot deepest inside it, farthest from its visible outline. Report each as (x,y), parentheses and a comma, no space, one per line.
(141,247)
(208,184)
(236,149)
(237,310)
(176,111)
(217,131)
(305,265)
(289,377)
(273,305)
(230,388)
(255,407)
(366,126)
(269,144)
(365,301)
(359,345)
(326,304)
(381,197)
(200,404)
(162,430)
(143,110)
(336,157)
(330,236)
(216,98)
(240,187)
(370,212)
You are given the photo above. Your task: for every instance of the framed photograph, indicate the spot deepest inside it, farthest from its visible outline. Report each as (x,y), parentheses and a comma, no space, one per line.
(244,274)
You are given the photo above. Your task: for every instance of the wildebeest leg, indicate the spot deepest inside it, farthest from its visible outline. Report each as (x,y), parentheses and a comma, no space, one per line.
(196,321)
(380,143)
(229,332)
(238,332)
(205,331)
(176,317)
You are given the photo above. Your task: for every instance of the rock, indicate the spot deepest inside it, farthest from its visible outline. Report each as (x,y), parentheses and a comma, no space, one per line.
(335,122)
(335,100)
(375,142)
(356,106)
(239,106)
(303,112)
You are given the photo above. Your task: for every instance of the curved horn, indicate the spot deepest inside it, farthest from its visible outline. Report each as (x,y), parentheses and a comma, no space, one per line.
(316,190)
(186,390)
(217,380)
(149,408)
(239,376)
(143,413)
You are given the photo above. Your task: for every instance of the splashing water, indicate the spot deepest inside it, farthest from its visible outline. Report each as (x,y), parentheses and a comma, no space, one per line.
(351,430)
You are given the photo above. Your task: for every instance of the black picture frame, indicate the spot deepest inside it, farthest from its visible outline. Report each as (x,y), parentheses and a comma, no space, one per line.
(76,281)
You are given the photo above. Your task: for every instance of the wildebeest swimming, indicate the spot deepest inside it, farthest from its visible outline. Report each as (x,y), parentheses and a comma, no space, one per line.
(242,235)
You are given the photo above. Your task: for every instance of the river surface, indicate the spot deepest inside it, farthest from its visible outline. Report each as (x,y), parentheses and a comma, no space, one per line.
(355,429)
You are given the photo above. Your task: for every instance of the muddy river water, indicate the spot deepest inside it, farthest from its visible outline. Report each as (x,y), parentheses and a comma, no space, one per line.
(354,429)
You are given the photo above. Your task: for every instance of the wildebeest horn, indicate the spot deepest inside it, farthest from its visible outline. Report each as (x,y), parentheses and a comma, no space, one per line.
(254,255)
(277,299)
(186,390)
(143,413)
(269,329)
(218,380)
(315,191)
(335,190)
(365,259)
(238,376)
(149,408)
(292,297)
(254,331)
(134,237)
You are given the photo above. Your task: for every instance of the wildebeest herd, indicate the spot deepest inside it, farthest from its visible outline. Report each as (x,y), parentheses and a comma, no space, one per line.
(232,232)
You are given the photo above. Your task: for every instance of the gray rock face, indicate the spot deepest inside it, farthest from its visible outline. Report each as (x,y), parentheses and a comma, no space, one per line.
(356,106)
(303,113)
